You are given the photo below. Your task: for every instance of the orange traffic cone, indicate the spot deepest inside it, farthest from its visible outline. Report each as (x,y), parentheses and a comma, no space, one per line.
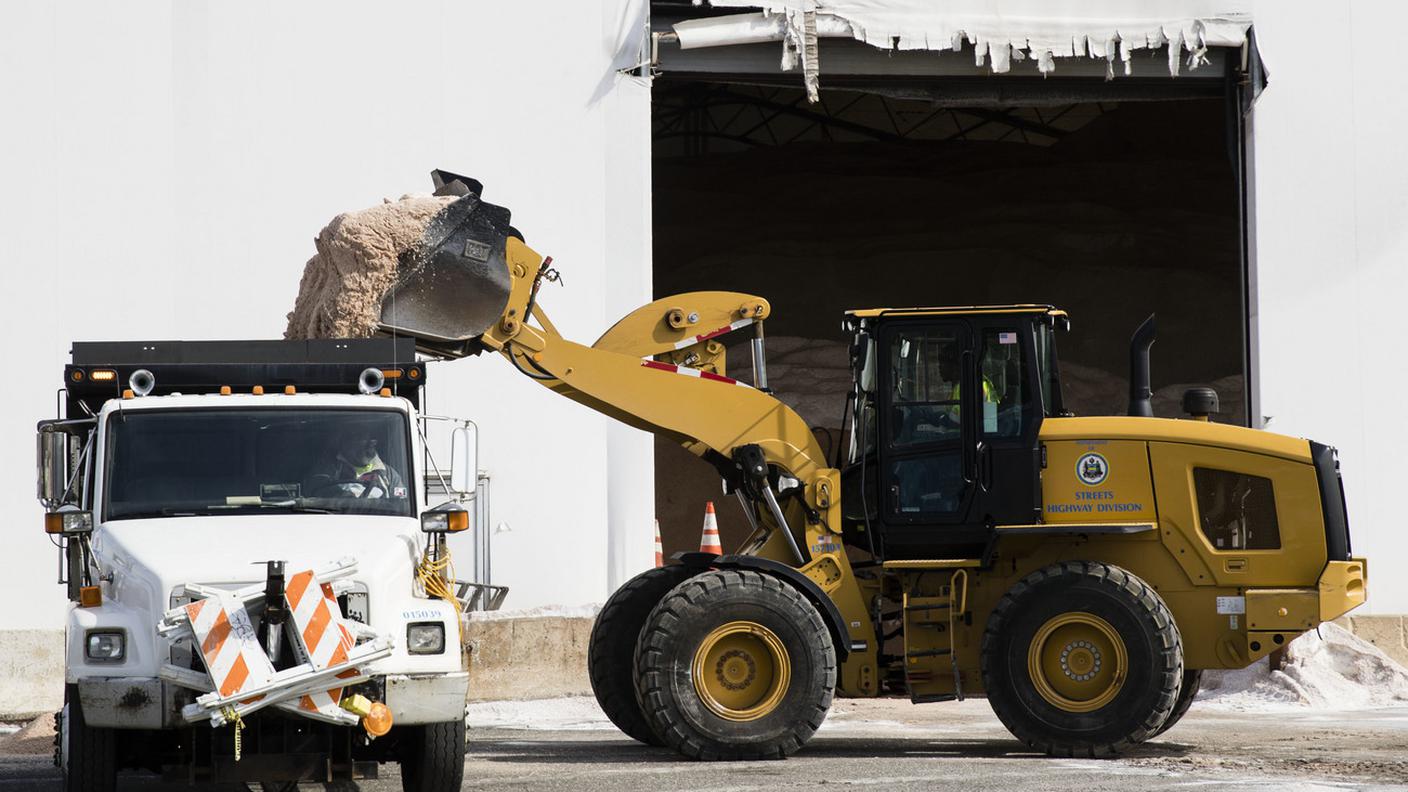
(659,548)
(710,543)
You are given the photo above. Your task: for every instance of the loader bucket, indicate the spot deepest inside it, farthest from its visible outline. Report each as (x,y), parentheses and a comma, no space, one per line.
(455,283)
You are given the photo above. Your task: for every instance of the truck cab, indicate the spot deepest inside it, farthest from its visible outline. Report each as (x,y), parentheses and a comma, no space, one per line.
(190,471)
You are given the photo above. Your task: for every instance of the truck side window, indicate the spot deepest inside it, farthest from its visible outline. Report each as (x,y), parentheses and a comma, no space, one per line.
(1003,379)
(1237,511)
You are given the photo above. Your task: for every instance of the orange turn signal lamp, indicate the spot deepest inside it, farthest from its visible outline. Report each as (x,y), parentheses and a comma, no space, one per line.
(448,518)
(68,523)
(90,597)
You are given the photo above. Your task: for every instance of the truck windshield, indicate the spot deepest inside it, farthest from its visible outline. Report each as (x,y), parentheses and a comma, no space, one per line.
(174,463)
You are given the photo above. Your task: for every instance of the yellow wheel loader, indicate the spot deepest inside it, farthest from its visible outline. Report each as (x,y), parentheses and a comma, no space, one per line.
(971,537)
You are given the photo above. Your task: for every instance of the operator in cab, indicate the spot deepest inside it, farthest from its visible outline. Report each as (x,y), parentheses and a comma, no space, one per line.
(353,462)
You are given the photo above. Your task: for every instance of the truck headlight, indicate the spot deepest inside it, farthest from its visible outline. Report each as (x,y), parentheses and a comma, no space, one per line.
(105,646)
(424,638)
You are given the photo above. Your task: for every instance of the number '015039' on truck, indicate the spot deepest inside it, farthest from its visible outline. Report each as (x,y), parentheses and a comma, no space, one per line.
(257,589)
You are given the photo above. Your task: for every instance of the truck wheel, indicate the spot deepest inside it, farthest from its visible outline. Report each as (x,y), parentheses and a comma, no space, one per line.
(432,758)
(1192,680)
(611,649)
(1082,659)
(735,664)
(87,754)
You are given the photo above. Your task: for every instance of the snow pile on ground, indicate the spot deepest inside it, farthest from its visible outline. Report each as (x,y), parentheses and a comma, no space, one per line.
(355,267)
(1333,670)
(541,612)
(573,713)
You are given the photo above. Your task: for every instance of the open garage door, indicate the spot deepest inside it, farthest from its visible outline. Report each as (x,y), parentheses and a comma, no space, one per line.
(919,178)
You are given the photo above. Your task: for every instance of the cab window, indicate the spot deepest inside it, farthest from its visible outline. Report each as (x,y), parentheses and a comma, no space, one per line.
(925,389)
(1004,397)
(1236,511)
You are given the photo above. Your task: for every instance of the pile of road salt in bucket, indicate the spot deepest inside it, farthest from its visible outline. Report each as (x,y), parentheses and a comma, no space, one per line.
(1330,669)
(355,266)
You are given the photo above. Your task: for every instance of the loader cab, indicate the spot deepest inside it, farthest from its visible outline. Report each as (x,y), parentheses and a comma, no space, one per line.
(944,422)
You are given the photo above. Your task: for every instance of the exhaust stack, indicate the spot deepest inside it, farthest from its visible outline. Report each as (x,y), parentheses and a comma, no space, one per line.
(1140,394)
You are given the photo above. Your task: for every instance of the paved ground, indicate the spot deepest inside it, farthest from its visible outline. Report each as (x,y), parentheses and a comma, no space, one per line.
(896,746)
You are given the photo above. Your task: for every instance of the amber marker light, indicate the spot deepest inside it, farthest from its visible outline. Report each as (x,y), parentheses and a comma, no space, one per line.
(391,373)
(103,375)
(258,390)
(90,597)
(377,722)
(77,375)
(53,523)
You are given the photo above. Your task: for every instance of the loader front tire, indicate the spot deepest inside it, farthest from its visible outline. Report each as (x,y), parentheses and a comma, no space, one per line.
(433,757)
(735,664)
(611,650)
(1082,658)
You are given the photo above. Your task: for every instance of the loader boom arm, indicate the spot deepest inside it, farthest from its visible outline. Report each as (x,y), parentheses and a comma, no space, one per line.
(661,369)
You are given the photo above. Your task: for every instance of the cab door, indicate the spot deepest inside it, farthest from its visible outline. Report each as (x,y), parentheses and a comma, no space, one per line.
(1007,414)
(958,421)
(926,470)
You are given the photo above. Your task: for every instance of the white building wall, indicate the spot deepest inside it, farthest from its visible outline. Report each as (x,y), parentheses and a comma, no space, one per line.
(167,164)
(1332,261)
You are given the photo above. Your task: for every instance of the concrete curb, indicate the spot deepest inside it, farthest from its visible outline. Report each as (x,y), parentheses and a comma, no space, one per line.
(31,673)
(1389,633)
(518,658)
(528,658)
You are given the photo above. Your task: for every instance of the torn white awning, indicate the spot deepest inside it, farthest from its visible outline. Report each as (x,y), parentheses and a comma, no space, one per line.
(1000,31)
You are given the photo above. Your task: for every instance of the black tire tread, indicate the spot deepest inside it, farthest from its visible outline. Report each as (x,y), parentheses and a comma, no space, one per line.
(435,762)
(611,648)
(660,631)
(92,752)
(1192,681)
(1168,673)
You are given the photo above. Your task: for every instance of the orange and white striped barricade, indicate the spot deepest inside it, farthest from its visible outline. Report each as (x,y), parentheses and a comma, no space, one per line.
(322,637)
(235,695)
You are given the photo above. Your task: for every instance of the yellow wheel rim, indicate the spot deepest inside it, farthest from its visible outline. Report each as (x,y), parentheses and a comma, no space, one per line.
(741,671)
(1077,662)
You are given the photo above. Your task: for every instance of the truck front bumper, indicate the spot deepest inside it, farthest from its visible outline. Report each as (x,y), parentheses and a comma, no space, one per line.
(426,698)
(150,703)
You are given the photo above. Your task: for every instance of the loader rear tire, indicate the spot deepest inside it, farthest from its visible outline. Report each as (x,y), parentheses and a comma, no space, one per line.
(434,759)
(1082,658)
(611,650)
(735,664)
(1192,681)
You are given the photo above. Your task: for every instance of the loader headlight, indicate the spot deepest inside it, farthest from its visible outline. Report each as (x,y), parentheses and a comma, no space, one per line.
(105,646)
(424,638)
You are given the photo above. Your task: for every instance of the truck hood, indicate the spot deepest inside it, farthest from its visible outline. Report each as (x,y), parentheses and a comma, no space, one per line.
(148,558)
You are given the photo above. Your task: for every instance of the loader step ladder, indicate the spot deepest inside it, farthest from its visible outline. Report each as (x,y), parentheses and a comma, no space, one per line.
(240,677)
(929,622)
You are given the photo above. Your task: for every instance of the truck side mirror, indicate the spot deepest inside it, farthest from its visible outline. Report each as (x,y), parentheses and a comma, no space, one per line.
(52,466)
(464,458)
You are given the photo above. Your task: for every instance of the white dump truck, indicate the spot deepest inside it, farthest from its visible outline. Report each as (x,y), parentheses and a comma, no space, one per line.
(258,589)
